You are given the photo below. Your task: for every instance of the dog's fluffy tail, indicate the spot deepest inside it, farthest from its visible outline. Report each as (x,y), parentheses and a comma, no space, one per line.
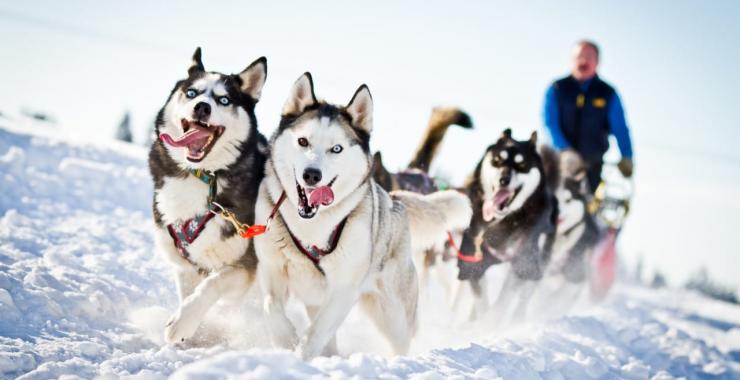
(432,216)
(441,119)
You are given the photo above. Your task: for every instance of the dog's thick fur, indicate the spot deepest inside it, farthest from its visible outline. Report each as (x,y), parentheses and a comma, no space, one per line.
(577,231)
(219,262)
(514,216)
(577,236)
(323,147)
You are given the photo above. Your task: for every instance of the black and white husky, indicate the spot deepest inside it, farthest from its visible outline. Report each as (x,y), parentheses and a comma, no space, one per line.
(514,216)
(337,237)
(576,238)
(208,155)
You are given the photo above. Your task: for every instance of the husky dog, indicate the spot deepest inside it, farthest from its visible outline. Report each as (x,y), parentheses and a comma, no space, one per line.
(514,216)
(337,237)
(577,232)
(415,178)
(577,236)
(208,154)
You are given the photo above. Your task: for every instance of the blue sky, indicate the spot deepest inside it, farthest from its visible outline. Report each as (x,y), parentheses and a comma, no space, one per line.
(675,64)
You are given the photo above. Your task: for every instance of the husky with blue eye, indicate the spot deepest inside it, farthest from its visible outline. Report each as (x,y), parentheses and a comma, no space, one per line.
(208,154)
(337,238)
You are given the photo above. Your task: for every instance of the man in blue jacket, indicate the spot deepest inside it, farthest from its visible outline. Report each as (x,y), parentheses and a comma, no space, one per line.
(581,111)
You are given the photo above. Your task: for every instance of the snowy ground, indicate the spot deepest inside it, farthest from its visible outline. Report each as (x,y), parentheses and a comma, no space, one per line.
(83,294)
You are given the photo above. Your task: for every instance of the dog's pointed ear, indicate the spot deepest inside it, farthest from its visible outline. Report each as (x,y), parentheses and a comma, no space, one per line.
(196,66)
(301,96)
(506,134)
(533,139)
(253,78)
(378,159)
(361,109)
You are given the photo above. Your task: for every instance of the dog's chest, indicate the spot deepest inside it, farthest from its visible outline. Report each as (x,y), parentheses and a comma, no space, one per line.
(566,241)
(181,199)
(306,282)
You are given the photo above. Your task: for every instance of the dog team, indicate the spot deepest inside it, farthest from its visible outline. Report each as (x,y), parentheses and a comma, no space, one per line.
(311,214)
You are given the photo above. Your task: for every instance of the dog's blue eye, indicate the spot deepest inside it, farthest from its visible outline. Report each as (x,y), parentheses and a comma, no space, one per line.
(191,93)
(336,149)
(224,100)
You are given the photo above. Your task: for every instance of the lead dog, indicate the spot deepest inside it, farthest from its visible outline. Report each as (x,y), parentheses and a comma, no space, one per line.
(337,237)
(208,153)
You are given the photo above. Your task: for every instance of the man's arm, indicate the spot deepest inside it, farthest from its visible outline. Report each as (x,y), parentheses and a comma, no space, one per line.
(551,116)
(618,125)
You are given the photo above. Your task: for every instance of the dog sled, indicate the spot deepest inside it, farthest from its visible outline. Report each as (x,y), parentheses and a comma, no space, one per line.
(610,206)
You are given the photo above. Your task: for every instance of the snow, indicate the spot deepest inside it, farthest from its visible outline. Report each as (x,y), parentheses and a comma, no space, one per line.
(83,295)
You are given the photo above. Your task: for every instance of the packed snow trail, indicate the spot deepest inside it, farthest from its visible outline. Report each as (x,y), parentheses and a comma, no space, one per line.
(82,293)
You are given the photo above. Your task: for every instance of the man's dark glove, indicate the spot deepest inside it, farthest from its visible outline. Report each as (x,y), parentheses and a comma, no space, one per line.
(625,167)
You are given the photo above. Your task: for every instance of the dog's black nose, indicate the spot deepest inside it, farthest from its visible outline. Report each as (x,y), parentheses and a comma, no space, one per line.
(505,180)
(202,111)
(312,176)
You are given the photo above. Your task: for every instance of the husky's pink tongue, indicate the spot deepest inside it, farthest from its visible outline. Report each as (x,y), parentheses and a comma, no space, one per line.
(488,210)
(502,196)
(186,139)
(321,195)
(490,206)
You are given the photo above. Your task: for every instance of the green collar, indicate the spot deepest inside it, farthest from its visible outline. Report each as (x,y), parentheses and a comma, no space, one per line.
(209,179)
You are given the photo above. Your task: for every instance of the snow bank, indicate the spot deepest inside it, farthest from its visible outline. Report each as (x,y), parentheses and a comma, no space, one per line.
(83,294)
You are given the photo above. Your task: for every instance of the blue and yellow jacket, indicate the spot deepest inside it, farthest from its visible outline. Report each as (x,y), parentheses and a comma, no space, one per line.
(582,115)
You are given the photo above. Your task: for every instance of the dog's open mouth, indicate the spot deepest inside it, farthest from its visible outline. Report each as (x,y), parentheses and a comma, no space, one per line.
(496,206)
(199,138)
(311,198)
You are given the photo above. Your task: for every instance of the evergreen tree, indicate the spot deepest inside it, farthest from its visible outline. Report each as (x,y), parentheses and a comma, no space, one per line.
(123,132)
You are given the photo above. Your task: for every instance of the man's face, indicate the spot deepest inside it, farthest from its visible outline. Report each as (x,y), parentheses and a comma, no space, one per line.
(584,62)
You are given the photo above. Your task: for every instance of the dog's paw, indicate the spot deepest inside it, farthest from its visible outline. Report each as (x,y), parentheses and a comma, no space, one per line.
(301,353)
(306,351)
(300,350)
(179,328)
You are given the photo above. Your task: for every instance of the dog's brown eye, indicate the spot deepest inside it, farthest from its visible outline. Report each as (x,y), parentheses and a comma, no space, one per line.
(302,142)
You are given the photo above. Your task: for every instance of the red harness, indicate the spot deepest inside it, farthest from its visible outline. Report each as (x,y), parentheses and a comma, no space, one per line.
(501,256)
(183,234)
(460,255)
(315,253)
